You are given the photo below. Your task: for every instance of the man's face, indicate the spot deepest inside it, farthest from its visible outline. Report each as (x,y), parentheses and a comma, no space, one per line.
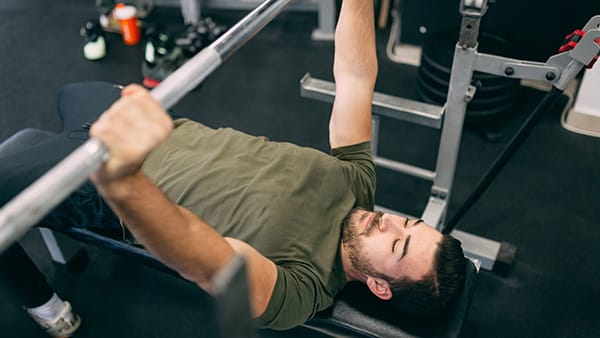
(390,245)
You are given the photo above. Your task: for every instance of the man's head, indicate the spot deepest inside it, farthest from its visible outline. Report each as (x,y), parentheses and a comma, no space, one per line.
(405,261)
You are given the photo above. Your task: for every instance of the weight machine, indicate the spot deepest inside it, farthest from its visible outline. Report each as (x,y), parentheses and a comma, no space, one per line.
(354,314)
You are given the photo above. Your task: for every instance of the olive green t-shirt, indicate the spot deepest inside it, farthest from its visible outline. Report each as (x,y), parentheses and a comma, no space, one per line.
(286,201)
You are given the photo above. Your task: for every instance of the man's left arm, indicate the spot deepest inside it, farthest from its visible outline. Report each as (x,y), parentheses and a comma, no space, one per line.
(355,72)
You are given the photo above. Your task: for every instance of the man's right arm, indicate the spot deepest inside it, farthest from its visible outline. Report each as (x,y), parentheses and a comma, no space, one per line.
(131,128)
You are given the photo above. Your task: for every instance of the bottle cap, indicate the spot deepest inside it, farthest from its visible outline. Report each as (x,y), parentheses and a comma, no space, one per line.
(125,12)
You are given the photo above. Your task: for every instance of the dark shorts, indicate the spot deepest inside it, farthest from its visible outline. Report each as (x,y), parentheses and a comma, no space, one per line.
(29,154)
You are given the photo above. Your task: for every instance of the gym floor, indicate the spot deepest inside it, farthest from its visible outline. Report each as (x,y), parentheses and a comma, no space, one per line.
(545,202)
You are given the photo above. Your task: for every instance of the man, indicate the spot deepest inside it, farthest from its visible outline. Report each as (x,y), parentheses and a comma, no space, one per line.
(277,204)
(194,196)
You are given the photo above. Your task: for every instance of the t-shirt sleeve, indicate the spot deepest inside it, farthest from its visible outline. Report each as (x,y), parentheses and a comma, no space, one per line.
(358,166)
(295,300)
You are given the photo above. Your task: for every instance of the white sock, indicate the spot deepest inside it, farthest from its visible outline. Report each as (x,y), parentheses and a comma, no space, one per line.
(50,310)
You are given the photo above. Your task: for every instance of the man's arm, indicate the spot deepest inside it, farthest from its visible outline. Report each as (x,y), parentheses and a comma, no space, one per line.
(131,128)
(355,72)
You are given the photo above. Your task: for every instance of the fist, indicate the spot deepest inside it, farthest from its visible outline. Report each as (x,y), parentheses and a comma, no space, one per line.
(133,126)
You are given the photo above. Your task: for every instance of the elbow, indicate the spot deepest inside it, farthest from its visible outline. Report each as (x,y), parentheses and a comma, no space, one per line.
(195,274)
(190,258)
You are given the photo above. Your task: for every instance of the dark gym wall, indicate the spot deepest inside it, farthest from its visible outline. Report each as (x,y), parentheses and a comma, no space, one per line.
(536,27)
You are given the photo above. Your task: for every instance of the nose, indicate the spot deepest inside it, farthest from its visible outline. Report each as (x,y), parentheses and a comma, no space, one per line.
(383,225)
(388,221)
(395,222)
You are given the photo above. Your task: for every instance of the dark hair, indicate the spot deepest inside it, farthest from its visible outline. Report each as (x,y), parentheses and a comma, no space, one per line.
(430,296)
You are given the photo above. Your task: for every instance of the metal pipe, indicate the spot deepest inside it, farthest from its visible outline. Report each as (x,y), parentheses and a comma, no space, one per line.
(33,203)
(404,168)
(246,28)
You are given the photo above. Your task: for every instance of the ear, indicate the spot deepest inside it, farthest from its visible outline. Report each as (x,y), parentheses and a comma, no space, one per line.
(380,288)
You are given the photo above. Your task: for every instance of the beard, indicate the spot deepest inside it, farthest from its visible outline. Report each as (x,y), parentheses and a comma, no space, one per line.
(351,239)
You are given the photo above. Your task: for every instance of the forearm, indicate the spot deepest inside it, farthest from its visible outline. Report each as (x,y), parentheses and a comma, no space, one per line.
(355,53)
(173,234)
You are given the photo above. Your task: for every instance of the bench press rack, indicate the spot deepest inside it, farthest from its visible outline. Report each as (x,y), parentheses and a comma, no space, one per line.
(558,70)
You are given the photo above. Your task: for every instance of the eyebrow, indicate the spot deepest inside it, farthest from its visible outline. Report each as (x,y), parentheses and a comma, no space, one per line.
(407,241)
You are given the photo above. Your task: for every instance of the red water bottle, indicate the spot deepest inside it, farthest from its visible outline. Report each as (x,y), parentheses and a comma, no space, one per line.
(129,24)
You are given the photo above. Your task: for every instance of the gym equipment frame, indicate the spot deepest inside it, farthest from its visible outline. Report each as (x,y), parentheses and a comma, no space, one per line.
(558,70)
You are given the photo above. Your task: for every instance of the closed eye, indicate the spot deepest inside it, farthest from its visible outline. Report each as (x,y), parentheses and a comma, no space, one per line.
(394,245)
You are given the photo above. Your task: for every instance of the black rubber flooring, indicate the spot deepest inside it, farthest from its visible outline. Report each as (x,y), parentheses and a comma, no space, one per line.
(545,201)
